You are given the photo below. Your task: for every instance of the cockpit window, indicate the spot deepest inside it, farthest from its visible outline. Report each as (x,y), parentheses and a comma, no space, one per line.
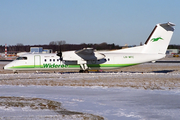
(21,58)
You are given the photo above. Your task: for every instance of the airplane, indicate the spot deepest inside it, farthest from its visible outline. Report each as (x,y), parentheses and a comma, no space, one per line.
(88,59)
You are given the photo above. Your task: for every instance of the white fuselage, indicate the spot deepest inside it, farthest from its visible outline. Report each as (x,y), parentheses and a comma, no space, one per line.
(112,60)
(90,59)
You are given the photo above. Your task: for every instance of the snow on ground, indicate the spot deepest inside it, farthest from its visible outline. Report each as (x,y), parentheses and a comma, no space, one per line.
(140,93)
(37,108)
(111,103)
(126,79)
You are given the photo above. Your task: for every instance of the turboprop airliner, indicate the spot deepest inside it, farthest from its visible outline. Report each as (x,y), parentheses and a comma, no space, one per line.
(89,59)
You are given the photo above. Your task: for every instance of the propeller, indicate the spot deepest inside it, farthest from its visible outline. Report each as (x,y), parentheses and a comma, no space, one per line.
(60,54)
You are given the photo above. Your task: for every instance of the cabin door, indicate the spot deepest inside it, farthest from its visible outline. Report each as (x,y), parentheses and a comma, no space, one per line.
(37,61)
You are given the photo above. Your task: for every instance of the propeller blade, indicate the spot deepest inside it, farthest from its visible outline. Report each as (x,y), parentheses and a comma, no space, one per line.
(60,53)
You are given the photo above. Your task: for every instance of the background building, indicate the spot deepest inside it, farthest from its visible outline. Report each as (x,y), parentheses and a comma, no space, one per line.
(172,51)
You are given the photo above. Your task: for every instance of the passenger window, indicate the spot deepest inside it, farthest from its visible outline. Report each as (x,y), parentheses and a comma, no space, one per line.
(57,59)
(45,60)
(53,60)
(50,60)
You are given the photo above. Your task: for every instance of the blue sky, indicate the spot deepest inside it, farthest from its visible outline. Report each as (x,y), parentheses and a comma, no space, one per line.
(120,22)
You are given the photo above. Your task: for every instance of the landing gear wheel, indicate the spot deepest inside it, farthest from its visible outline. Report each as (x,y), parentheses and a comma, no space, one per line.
(83,71)
(86,71)
(15,72)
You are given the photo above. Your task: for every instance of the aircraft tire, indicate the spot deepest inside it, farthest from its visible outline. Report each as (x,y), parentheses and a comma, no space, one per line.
(81,71)
(86,71)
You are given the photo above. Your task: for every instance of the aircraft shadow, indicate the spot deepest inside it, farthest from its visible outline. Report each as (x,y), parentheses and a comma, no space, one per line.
(158,71)
(163,71)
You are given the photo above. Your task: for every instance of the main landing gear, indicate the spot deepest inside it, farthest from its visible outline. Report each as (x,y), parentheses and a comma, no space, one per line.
(84,68)
(83,71)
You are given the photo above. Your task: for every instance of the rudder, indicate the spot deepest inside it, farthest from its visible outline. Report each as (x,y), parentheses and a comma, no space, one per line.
(159,39)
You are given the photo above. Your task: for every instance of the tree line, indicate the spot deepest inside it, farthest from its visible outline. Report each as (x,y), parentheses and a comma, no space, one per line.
(63,46)
(59,45)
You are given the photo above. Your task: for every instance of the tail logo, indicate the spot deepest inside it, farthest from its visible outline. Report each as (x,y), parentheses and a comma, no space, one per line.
(156,39)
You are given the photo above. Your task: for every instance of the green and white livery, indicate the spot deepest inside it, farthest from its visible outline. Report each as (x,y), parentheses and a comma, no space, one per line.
(90,59)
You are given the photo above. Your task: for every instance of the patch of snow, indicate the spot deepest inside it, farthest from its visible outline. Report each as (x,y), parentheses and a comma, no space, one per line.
(111,103)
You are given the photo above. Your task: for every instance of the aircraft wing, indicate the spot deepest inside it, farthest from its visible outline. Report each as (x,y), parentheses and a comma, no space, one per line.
(89,54)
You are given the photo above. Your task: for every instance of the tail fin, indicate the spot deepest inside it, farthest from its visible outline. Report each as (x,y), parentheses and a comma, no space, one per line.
(159,39)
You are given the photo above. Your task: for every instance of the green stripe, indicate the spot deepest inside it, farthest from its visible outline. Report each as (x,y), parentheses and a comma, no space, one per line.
(110,65)
(75,66)
(25,66)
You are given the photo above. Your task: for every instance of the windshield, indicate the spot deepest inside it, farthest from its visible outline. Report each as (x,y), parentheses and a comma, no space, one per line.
(21,58)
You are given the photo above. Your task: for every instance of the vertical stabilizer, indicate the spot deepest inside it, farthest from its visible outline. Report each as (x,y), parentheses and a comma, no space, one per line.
(159,39)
